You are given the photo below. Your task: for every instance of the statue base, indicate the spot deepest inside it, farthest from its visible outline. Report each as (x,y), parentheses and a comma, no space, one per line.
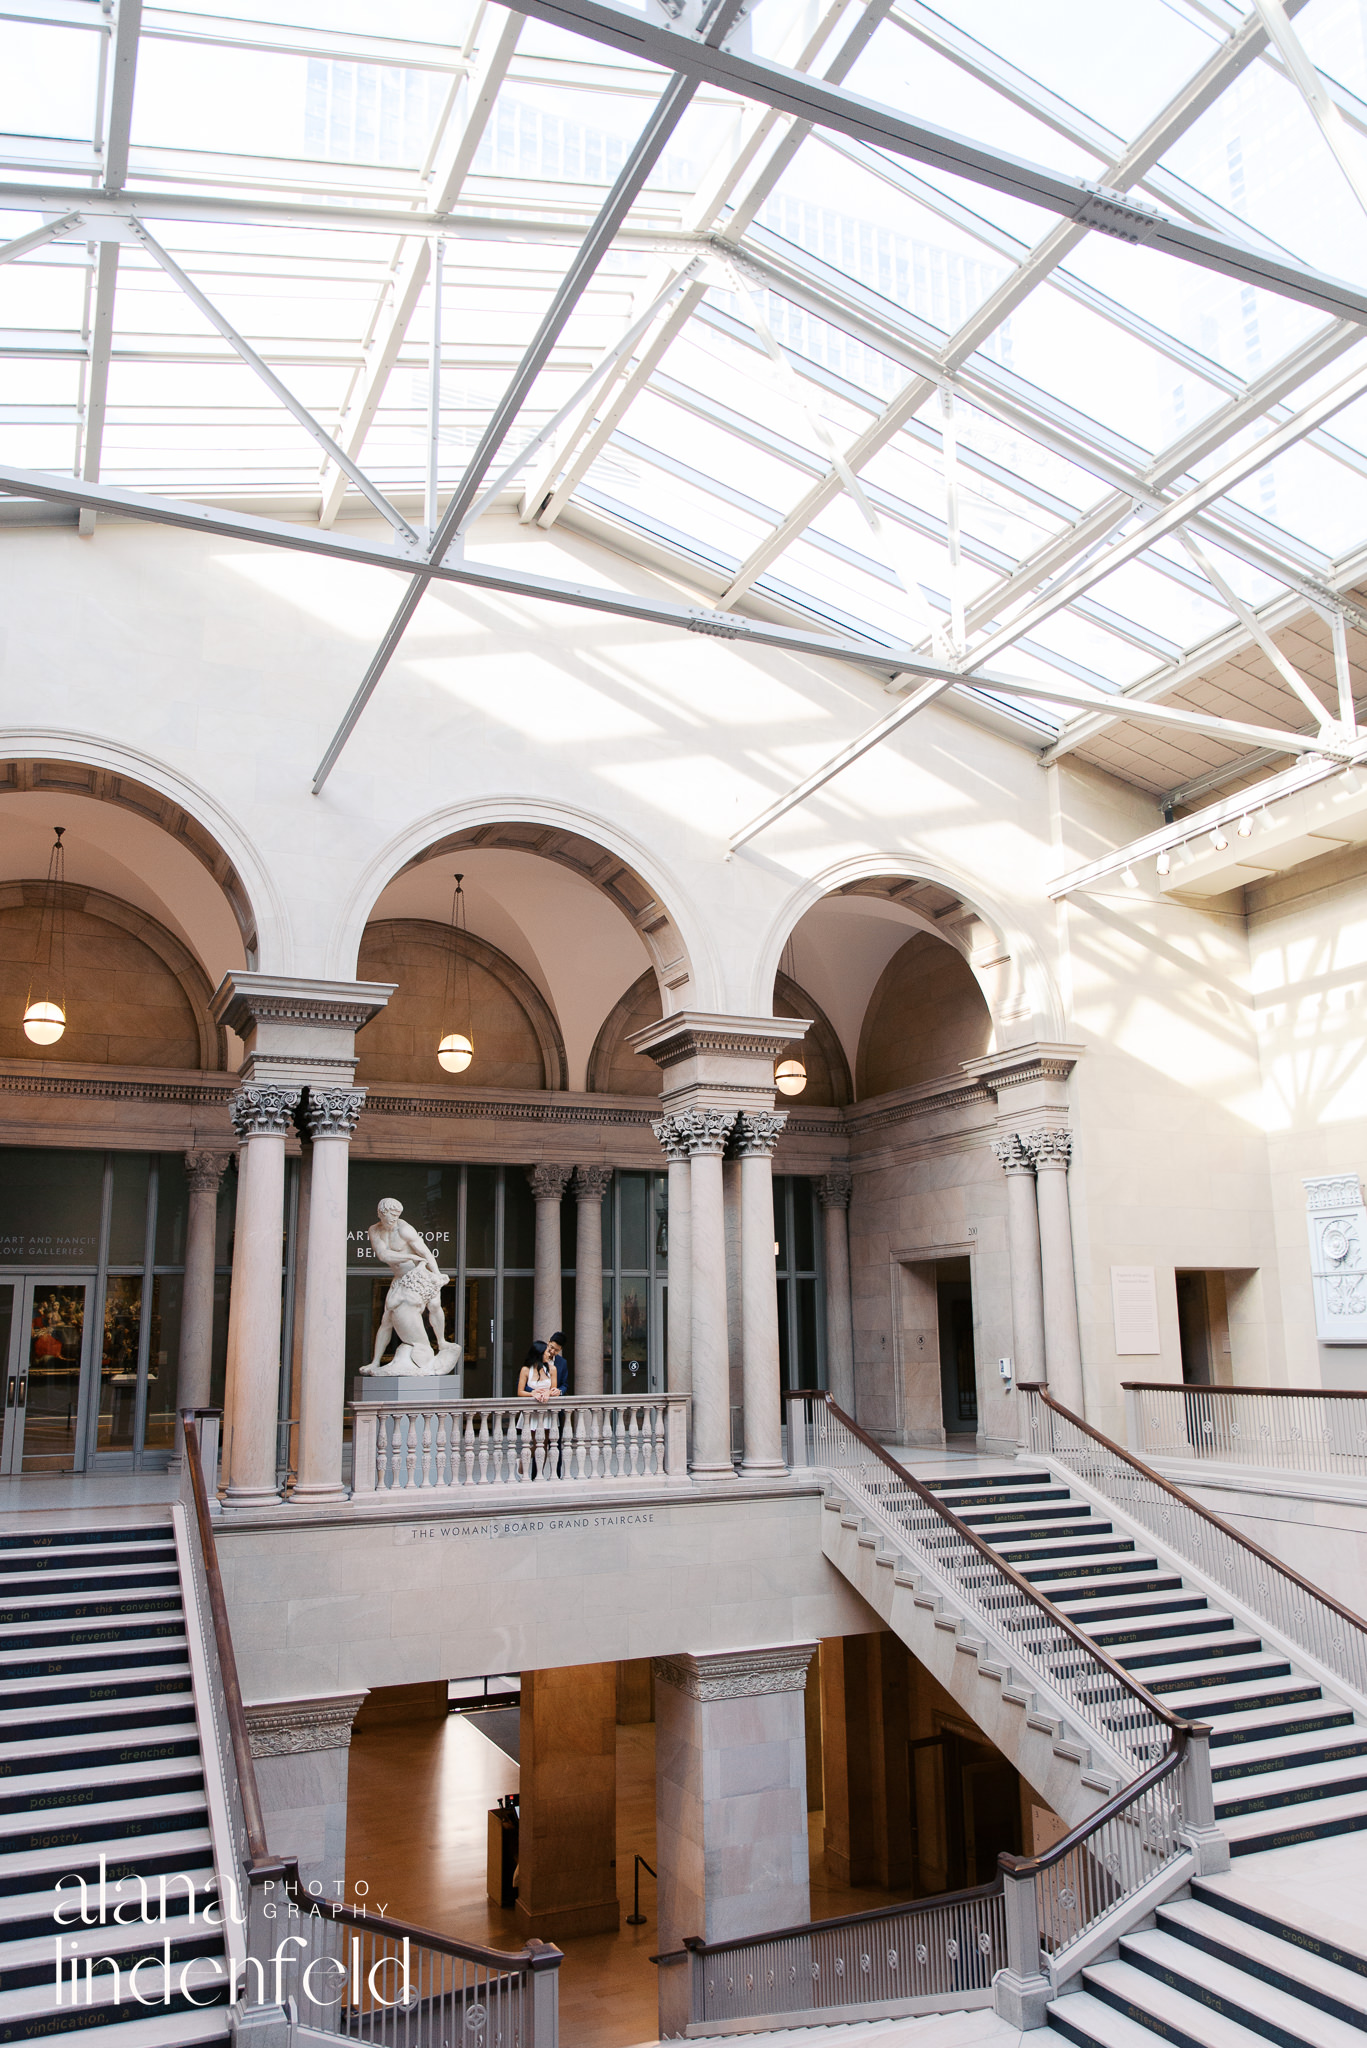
(418,1389)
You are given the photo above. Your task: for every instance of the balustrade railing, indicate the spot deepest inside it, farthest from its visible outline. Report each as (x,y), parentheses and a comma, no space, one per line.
(1278,1429)
(1287,1603)
(453,1445)
(1098,1691)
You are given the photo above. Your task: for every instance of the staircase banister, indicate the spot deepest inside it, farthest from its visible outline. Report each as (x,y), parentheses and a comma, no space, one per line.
(535,1955)
(1277,1393)
(253,1818)
(1007,1571)
(695,1944)
(1030,1866)
(1226,1529)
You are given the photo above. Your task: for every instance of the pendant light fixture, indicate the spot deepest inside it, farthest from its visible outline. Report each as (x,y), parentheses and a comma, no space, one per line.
(45,1010)
(456,1048)
(790,1075)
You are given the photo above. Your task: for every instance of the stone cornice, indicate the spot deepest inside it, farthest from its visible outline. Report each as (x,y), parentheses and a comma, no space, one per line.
(1023,1063)
(302,1727)
(926,1099)
(738,1674)
(688,1033)
(243,1000)
(193,1089)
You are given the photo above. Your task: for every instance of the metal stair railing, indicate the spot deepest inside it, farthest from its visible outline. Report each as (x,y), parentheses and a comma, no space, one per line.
(1306,1618)
(1307,1430)
(1102,1695)
(296,1961)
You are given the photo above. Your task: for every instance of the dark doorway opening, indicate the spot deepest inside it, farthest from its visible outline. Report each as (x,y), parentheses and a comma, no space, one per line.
(958,1366)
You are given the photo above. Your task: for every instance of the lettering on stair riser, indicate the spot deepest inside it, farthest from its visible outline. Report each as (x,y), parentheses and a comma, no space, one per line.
(493,1531)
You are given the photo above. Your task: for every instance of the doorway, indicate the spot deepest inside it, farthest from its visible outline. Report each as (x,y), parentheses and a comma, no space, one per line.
(1203,1329)
(958,1365)
(44,1332)
(982,1810)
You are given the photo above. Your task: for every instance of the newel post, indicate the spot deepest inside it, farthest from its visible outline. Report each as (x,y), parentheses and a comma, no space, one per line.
(676,1436)
(542,1994)
(1021,1992)
(1207,1842)
(364,1438)
(1134,1421)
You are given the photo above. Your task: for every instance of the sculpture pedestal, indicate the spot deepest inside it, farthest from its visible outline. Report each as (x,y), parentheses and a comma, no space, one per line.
(420,1389)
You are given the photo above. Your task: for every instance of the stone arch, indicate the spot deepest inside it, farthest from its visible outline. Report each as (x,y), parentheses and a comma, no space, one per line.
(925,1017)
(1005,960)
(400,1044)
(86,765)
(144,1024)
(614,1069)
(828,1071)
(676,939)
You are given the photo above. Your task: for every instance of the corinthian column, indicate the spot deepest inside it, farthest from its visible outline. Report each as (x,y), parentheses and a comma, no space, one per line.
(591,1183)
(203,1173)
(548,1185)
(757,1133)
(262,1115)
(1051,1152)
(706,1132)
(679,1306)
(1023,1237)
(330,1114)
(833,1192)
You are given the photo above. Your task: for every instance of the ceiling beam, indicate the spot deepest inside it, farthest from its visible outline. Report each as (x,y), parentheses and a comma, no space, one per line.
(123,72)
(97,373)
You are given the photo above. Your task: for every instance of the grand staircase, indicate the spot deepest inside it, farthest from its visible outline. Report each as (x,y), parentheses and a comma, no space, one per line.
(101,1777)
(1288,1758)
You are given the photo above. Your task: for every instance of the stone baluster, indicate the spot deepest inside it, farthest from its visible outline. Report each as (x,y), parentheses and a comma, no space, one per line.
(203,1173)
(1051,1152)
(591,1183)
(548,1185)
(330,1116)
(262,1117)
(1023,1237)
(679,1312)
(833,1191)
(706,1132)
(757,1132)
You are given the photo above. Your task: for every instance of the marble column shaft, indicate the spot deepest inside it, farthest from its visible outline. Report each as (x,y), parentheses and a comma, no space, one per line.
(330,1115)
(262,1116)
(203,1172)
(679,1309)
(1023,1238)
(757,1132)
(1051,1152)
(706,1132)
(548,1185)
(591,1183)
(833,1192)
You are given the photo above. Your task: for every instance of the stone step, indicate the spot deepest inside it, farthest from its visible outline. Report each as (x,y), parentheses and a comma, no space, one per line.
(1181,2021)
(1318,1820)
(84,1536)
(1268,1956)
(185,1847)
(1223,1987)
(127,1820)
(1299,1785)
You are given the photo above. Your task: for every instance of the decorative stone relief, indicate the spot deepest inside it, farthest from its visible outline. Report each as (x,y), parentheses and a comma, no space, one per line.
(548,1183)
(833,1190)
(1014,1153)
(705,1130)
(332,1112)
(1337,1222)
(591,1183)
(738,1674)
(757,1131)
(298,1727)
(204,1171)
(1049,1148)
(264,1111)
(671,1137)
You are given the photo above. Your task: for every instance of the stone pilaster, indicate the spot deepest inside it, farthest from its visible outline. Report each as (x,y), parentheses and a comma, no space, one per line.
(1051,1151)
(833,1191)
(1022,1230)
(591,1183)
(757,1132)
(330,1116)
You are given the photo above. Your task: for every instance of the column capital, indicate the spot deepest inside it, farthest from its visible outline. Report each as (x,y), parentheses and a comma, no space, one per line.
(705,1131)
(671,1137)
(591,1183)
(264,1111)
(757,1131)
(548,1182)
(738,1674)
(204,1171)
(332,1112)
(833,1190)
(1014,1153)
(1050,1148)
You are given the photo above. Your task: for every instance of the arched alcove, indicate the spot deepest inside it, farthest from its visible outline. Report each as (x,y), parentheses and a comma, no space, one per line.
(515,1034)
(926,1016)
(614,1067)
(828,1072)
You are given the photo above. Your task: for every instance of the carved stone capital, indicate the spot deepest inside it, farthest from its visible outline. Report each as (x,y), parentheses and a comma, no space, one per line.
(264,1111)
(833,1190)
(1014,1153)
(204,1171)
(299,1727)
(704,1131)
(1050,1149)
(738,1674)
(548,1183)
(672,1139)
(591,1183)
(757,1131)
(332,1112)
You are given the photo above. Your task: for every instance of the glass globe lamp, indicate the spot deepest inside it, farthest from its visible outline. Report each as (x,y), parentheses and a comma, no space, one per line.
(44,1023)
(790,1077)
(455,1052)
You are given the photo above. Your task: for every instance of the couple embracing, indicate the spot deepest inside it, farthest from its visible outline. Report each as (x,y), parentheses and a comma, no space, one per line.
(545,1373)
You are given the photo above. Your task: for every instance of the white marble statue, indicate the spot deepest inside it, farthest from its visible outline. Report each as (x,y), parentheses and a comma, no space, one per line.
(414,1293)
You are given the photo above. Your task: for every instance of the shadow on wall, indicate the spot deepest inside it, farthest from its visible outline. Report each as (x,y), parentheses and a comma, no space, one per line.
(926,1014)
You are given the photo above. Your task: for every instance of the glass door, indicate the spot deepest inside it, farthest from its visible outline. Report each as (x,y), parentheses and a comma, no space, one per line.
(47,1353)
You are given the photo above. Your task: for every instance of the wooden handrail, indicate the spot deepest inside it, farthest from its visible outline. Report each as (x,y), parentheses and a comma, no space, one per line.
(1029,1866)
(695,1945)
(1060,1620)
(536,1955)
(1225,1528)
(227,1663)
(1277,1393)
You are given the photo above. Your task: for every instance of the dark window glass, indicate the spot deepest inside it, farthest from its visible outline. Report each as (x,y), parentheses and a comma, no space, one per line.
(569,1224)
(633,1215)
(635,1326)
(480,1185)
(163,1359)
(781,1218)
(607,1228)
(173,1209)
(8,1291)
(50,1207)
(804,1226)
(119,1361)
(227,1216)
(785,1375)
(430,1196)
(519,1222)
(517,1329)
(128,1209)
(806,1333)
(478,1337)
(567,1323)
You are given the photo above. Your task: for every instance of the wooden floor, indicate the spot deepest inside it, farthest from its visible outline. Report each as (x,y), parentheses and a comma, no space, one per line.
(419,1798)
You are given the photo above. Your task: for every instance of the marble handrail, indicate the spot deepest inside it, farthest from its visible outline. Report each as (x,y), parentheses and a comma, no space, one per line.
(455,1446)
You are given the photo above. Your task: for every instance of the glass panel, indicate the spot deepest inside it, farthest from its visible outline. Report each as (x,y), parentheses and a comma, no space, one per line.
(430,1196)
(567,1324)
(119,1361)
(128,1209)
(173,1209)
(808,1374)
(50,1207)
(7,1291)
(517,1329)
(784,1344)
(781,1217)
(479,1335)
(226,1219)
(661,1201)
(608,1286)
(635,1258)
(607,1227)
(804,1226)
(569,1224)
(635,1335)
(163,1361)
(519,1220)
(54,1377)
(480,1183)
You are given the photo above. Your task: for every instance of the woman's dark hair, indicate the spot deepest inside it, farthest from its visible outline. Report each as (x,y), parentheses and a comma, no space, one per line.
(536,1356)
